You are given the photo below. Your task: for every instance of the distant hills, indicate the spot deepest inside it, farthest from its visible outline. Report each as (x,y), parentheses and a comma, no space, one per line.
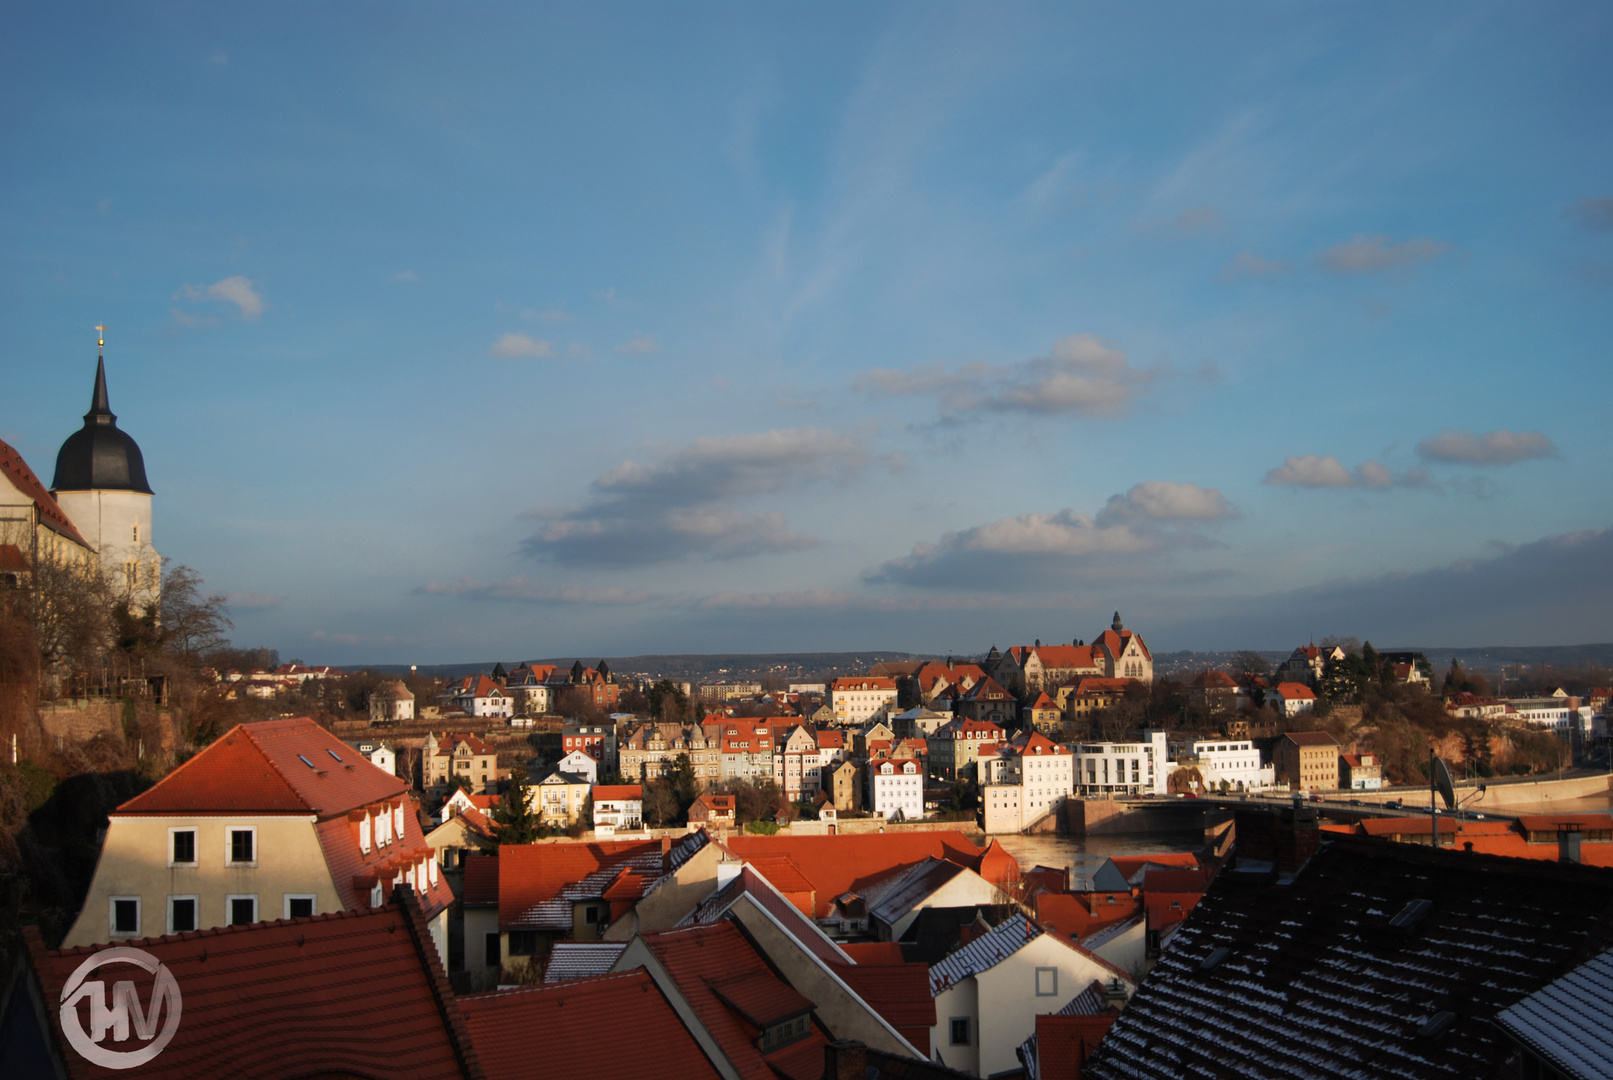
(732,667)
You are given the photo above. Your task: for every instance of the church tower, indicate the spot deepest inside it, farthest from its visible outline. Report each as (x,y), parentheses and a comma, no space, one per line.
(101,485)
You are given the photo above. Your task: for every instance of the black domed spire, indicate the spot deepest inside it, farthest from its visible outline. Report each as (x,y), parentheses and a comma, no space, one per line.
(100,457)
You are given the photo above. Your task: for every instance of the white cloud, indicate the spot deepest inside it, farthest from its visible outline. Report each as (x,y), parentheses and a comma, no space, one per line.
(1249,266)
(406,275)
(520,346)
(526,591)
(555,315)
(1327,471)
(1373,254)
(643,345)
(675,504)
(1083,376)
(1036,549)
(1488,448)
(236,290)
(1594,213)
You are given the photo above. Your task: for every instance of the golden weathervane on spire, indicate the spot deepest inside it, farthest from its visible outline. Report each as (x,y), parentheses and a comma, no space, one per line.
(100,340)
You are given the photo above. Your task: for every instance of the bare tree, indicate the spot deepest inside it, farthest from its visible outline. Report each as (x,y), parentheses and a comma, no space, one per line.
(192,624)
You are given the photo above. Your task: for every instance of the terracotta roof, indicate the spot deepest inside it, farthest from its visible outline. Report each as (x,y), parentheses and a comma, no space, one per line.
(1064,656)
(573,1016)
(1293,691)
(1311,738)
(727,984)
(1096,685)
(1073,917)
(451,740)
(1215,680)
(786,877)
(285,999)
(986,689)
(863,682)
(1043,702)
(538,883)
(270,767)
(618,792)
(874,952)
(836,865)
(1555,822)
(51,515)
(898,991)
(1064,1043)
(480,888)
(1375,959)
(721,804)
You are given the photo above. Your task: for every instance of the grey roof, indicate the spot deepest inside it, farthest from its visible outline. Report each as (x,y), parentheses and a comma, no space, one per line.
(581,959)
(1099,938)
(98,456)
(984,952)
(1108,878)
(1556,1022)
(896,894)
(1340,973)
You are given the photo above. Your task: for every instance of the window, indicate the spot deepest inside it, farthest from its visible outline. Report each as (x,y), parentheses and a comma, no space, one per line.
(960,1031)
(181,847)
(364,834)
(242,849)
(181,914)
(523,942)
(299,906)
(241,910)
(1047,981)
(125,918)
(491,956)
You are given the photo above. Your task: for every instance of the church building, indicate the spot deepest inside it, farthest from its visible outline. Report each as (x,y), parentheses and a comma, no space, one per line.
(98,506)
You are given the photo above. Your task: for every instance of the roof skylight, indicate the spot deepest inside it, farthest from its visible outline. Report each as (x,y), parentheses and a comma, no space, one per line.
(333,753)
(305,761)
(1411,914)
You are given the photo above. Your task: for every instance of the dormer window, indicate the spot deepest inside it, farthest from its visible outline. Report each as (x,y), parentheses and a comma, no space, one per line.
(782,1034)
(364,834)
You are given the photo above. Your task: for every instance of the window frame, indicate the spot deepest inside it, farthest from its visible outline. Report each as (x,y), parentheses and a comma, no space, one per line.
(195,912)
(195,847)
(229,908)
(229,846)
(525,935)
(287,898)
(1053,972)
(952,1031)
(112,903)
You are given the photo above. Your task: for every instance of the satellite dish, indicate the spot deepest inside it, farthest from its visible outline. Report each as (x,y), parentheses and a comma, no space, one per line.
(1443,785)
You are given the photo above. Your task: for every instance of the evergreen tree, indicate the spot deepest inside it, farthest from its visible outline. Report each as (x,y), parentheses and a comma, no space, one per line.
(513,819)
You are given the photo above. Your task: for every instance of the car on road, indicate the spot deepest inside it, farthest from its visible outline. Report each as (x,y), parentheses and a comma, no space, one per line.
(1355,802)
(1392,804)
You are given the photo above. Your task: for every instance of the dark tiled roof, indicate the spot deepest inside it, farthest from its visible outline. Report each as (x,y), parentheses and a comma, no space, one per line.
(1551,1022)
(1316,982)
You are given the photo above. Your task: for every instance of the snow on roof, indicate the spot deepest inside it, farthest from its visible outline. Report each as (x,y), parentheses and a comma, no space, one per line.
(1552,1021)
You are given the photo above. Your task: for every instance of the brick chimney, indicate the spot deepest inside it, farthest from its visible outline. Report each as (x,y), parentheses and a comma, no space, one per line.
(1299,834)
(1255,832)
(845,1059)
(666,854)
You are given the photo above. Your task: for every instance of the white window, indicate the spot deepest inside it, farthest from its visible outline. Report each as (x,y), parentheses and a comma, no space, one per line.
(124,916)
(182,847)
(241,909)
(364,834)
(383,829)
(182,914)
(241,845)
(397,820)
(300,905)
(376,896)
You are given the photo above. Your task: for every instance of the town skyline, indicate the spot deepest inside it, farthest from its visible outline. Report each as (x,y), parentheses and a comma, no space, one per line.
(911,329)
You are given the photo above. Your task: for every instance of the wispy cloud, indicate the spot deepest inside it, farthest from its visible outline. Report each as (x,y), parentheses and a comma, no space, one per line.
(1327,471)
(521,346)
(1249,266)
(643,345)
(1374,254)
(1594,213)
(406,275)
(1083,376)
(555,315)
(1198,219)
(674,505)
(236,290)
(1502,447)
(524,590)
(1020,551)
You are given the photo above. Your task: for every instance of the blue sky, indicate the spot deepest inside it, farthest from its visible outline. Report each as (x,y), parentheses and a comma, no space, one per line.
(463,331)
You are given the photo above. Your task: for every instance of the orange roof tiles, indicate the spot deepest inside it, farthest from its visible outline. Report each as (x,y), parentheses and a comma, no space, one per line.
(1095,685)
(286,999)
(836,865)
(1063,1043)
(863,682)
(531,874)
(618,792)
(1293,691)
(1073,916)
(570,1015)
(1064,656)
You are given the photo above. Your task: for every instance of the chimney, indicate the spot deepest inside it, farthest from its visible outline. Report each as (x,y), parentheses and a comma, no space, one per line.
(845,1059)
(1568,845)
(1298,837)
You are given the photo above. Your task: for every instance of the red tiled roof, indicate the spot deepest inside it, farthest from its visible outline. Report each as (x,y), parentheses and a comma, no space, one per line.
(618,792)
(1063,1043)
(1095,685)
(1043,702)
(570,1015)
(1215,680)
(480,888)
(720,804)
(1128,865)
(898,991)
(450,740)
(1064,656)
(864,682)
(875,952)
(986,689)
(1293,691)
(786,877)
(1072,918)
(270,767)
(701,960)
(1311,738)
(51,515)
(286,999)
(836,865)
(530,874)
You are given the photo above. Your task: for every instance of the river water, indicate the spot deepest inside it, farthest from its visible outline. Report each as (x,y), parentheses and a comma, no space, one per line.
(1086,853)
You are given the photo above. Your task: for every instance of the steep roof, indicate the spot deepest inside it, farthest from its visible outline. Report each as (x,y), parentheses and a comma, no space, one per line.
(1294,691)
(1064,656)
(1347,969)
(270,767)
(52,516)
(480,888)
(284,999)
(538,883)
(572,1016)
(581,959)
(618,792)
(1552,1021)
(99,456)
